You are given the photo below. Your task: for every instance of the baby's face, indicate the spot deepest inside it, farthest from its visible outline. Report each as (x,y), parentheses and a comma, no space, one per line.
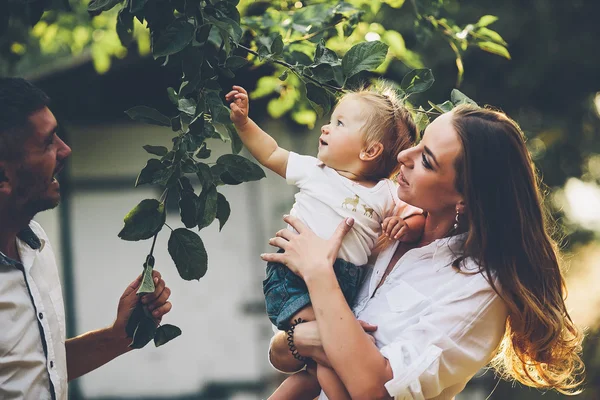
(342,140)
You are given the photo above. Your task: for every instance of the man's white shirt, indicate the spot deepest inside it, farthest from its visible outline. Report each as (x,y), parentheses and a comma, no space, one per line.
(33,361)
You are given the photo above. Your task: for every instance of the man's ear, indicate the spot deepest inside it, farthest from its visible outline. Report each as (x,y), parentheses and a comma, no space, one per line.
(372,151)
(5,185)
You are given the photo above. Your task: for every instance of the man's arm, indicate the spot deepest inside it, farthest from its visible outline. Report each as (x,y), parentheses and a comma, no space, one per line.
(91,350)
(260,144)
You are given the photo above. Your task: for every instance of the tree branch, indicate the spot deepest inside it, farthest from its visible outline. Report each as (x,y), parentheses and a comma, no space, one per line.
(293,69)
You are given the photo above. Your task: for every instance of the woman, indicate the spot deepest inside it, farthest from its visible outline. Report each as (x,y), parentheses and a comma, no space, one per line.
(482,285)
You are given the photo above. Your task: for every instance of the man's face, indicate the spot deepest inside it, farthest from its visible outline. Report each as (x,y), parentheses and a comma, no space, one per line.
(34,186)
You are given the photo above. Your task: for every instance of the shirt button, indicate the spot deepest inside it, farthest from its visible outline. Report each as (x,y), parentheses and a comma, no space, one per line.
(51,364)
(41,315)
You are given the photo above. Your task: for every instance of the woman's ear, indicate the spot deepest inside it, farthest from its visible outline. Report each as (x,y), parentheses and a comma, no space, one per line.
(372,151)
(460,207)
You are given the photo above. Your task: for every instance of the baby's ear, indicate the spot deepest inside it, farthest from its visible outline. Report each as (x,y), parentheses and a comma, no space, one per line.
(371,152)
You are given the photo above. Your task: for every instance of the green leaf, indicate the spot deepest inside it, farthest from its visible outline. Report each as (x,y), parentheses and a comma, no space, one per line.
(125,27)
(144,333)
(207,206)
(494,48)
(172,96)
(445,107)
(148,115)
(277,45)
(149,172)
(156,150)
(176,123)
(486,20)
(223,210)
(188,205)
(228,27)
(219,112)
(203,152)
(491,36)
(236,141)
(421,120)
(204,174)
(235,62)
(417,81)
(319,99)
(134,319)
(283,76)
(363,57)
(241,169)
(458,97)
(165,333)
(325,55)
(322,72)
(102,5)
(147,285)
(136,6)
(188,253)
(187,106)
(177,35)
(144,221)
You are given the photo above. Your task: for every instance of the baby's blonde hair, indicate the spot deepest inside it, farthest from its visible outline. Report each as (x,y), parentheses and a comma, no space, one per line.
(388,122)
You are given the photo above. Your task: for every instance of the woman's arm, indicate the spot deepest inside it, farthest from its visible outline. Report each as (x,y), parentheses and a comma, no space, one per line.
(343,338)
(341,334)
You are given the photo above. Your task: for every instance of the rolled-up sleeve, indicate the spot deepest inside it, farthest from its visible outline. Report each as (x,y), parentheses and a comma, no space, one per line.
(446,347)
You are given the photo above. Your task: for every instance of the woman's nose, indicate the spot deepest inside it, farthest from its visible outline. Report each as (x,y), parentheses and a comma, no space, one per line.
(405,158)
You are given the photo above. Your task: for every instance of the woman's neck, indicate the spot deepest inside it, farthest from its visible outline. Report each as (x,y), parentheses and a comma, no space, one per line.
(436,227)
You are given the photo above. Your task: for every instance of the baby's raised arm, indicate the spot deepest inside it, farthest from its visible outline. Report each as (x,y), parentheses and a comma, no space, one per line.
(260,144)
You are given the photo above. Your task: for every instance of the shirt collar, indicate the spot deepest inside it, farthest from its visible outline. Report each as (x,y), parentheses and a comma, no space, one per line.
(29,237)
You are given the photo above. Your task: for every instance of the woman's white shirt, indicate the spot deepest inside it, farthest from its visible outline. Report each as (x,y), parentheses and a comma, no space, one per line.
(436,326)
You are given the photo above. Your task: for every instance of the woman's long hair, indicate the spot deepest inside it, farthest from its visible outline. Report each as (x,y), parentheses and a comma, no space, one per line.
(508,236)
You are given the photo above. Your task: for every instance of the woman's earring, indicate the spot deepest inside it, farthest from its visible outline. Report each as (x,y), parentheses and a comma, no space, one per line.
(456,219)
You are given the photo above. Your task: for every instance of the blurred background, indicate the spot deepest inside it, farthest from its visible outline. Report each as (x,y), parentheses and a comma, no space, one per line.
(551,86)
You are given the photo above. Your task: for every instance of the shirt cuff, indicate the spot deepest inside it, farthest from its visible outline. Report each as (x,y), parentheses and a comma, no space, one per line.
(408,366)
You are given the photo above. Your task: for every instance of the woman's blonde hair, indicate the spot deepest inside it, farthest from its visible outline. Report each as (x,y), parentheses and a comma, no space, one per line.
(388,122)
(508,236)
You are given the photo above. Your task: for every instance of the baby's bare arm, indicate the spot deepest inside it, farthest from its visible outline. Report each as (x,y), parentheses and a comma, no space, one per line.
(260,144)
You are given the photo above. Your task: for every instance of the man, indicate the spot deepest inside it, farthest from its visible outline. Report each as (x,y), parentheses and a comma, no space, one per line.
(35,359)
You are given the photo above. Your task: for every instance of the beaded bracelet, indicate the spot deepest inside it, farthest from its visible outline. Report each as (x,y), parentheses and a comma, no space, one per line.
(290,340)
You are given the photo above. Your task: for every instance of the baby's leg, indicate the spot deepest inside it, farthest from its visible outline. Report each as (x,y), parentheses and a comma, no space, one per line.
(300,386)
(306,314)
(331,384)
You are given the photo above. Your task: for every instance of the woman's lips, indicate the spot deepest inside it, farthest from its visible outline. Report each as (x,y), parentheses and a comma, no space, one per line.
(402,179)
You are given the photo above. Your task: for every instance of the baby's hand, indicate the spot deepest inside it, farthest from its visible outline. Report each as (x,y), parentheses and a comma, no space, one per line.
(238,98)
(394,227)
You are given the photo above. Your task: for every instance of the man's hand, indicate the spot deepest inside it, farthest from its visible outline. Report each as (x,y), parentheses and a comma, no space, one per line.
(93,349)
(156,302)
(238,97)
(393,227)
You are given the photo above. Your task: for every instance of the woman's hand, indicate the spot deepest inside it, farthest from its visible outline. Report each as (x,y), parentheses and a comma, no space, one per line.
(306,253)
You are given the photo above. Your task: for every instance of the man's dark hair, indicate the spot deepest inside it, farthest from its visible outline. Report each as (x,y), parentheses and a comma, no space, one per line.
(18,100)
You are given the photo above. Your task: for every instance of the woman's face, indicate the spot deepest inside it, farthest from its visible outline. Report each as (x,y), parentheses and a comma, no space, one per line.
(427,171)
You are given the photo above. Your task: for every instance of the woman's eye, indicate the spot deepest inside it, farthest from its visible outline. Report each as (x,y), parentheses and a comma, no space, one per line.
(425,162)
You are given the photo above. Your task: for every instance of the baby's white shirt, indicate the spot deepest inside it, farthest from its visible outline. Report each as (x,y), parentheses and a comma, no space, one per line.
(326,198)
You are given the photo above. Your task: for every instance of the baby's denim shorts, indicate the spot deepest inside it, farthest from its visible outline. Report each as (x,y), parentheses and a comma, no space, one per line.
(286,293)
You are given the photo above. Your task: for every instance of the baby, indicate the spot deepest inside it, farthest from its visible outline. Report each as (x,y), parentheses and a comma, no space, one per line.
(349,178)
